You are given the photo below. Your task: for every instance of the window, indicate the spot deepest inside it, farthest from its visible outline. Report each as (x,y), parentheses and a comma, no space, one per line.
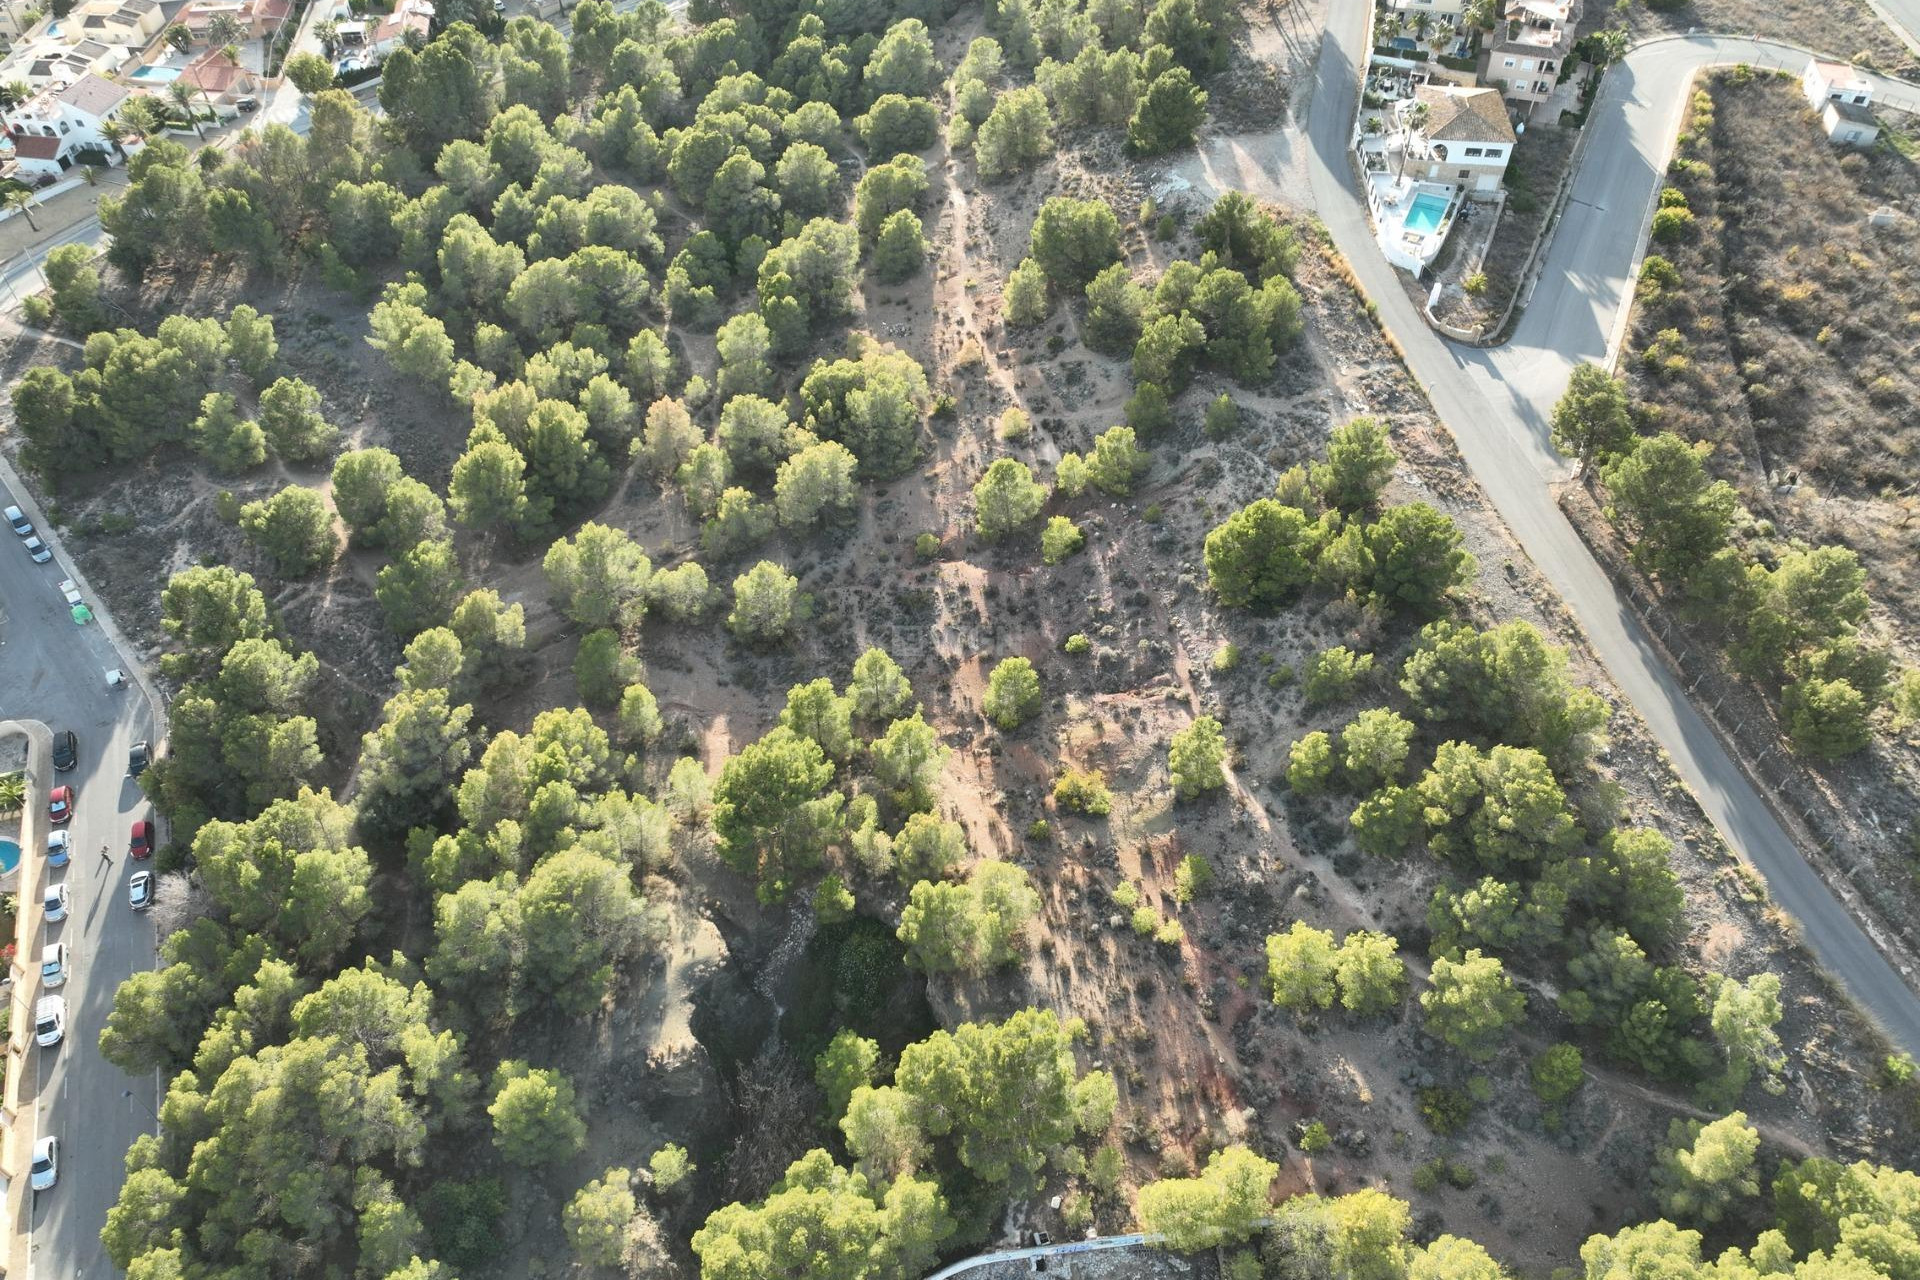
(1859,99)
(1466,175)
(1509,62)
(1475,151)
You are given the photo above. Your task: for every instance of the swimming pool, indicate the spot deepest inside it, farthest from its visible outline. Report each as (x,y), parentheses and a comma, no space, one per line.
(1425,214)
(155,75)
(9,855)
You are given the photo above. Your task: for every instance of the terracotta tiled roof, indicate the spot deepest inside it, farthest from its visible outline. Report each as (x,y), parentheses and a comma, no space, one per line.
(212,72)
(35,146)
(1464,115)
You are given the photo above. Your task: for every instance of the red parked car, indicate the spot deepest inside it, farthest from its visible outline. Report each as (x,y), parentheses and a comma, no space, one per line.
(60,806)
(140,843)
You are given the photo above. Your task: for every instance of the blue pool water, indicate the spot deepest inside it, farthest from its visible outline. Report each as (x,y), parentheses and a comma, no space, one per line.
(1425,213)
(9,855)
(160,75)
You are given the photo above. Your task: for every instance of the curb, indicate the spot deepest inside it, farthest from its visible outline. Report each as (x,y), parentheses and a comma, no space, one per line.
(156,702)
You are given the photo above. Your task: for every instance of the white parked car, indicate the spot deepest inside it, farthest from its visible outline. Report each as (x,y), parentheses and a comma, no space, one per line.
(37,551)
(59,848)
(53,965)
(55,905)
(46,1164)
(140,890)
(18,519)
(50,1020)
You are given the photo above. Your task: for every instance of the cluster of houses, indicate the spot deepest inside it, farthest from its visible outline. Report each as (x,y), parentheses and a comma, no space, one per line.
(81,69)
(1446,107)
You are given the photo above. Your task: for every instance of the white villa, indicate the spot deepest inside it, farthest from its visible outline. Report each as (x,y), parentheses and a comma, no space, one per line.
(50,130)
(1442,147)
(1824,82)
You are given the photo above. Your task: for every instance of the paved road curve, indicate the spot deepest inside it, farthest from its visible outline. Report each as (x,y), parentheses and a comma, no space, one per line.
(53,671)
(1495,402)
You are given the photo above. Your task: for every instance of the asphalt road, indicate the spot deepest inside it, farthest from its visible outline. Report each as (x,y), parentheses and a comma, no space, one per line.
(54,671)
(1496,401)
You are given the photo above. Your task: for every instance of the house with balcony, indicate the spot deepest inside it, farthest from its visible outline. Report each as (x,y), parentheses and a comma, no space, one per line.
(1424,159)
(1457,136)
(258,19)
(59,126)
(1529,47)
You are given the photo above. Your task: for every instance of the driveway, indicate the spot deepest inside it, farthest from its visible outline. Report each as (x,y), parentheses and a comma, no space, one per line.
(1496,401)
(54,671)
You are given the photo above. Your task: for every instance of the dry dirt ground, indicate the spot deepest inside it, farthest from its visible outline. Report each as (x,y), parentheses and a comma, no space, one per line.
(1799,317)
(689,1053)
(1540,158)
(1837,28)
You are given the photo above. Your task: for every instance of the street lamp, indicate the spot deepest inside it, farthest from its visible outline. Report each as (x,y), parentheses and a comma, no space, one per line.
(129,1096)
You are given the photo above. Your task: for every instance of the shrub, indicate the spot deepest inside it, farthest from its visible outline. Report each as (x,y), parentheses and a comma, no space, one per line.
(1013,693)
(1223,417)
(1445,1110)
(1193,878)
(1310,763)
(1334,674)
(1673,224)
(1196,758)
(1060,539)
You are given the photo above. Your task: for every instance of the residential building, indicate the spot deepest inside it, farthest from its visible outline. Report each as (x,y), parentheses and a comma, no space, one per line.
(374,40)
(1466,139)
(42,60)
(1528,48)
(52,130)
(258,19)
(1447,11)
(132,23)
(1825,82)
(217,78)
(1849,125)
(1424,158)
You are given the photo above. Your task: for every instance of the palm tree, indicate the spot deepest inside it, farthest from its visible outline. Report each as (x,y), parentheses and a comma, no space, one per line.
(231,52)
(1412,120)
(13,792)
(138,117)
(224,29)
(22,199)
(15,92)
(327,31)
(180,36)
(182,92)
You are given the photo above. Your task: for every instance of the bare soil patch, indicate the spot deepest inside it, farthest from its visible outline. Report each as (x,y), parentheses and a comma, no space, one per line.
(695,1050)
